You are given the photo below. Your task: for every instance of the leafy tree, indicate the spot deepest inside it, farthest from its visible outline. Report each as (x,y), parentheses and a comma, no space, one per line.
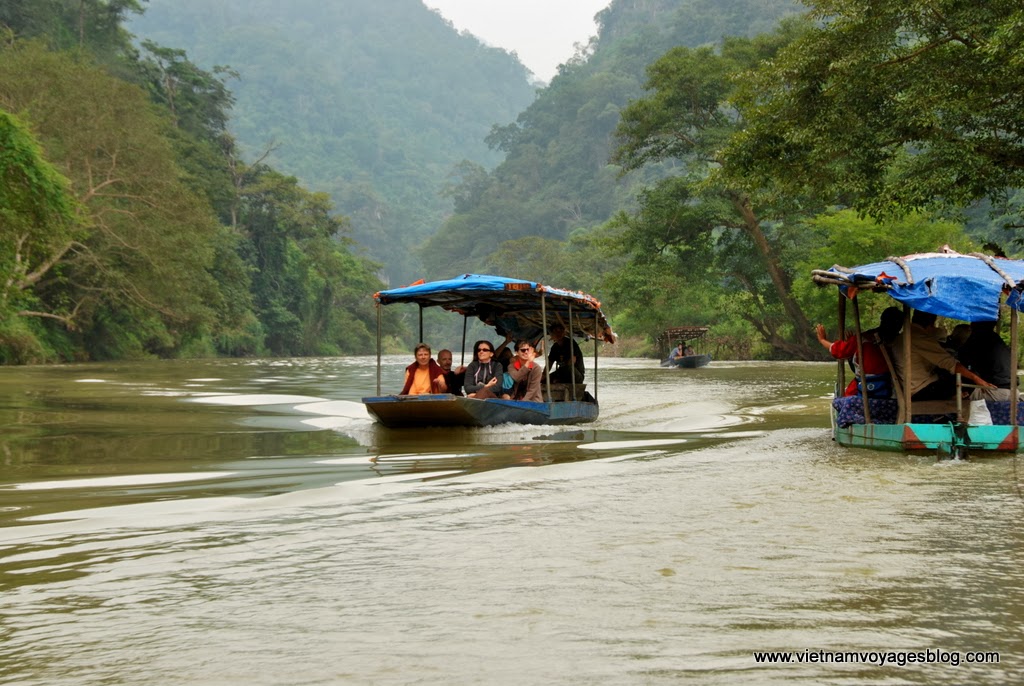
(556,178)
(38,222)
(687,120)
(846,239)
(310,291)
(372,101)
(144,251)
(93,27)
(891,106)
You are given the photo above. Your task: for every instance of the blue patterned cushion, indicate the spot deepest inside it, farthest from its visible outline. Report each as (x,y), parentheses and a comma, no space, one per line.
(1000,411)
(851,410)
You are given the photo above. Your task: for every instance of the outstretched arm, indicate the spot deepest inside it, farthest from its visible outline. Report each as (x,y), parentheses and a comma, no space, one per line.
(820,330)
(968,374)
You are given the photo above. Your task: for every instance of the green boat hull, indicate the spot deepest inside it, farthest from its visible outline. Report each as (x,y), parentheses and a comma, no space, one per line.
(952,438)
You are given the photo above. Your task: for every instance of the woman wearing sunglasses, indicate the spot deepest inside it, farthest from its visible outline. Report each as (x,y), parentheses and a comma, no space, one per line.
(526,374)
(483,374)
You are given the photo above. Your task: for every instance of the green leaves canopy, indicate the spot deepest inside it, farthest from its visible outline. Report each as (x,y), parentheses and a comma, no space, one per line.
(891,106)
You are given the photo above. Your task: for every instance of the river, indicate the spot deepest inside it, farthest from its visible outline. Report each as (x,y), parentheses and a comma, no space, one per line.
(244,522)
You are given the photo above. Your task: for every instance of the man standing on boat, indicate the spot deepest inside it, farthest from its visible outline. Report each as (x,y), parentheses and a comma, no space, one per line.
(566,356)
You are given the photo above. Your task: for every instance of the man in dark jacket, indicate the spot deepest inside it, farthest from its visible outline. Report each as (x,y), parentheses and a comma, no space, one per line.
(986,354)
(567,357)
(452,377)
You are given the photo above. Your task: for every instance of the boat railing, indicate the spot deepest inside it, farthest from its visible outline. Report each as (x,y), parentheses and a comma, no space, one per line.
(561,392)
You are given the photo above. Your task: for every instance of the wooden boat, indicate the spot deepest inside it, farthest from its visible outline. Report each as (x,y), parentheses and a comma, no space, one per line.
(524,309)
(969,288)
(686,334)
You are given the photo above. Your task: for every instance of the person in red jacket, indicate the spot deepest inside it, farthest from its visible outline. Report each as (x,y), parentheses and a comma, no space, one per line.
(526,374)
(424,376)
(875,368)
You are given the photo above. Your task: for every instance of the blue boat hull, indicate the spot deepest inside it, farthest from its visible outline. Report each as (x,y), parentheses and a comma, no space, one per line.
(688,362)
(399,411)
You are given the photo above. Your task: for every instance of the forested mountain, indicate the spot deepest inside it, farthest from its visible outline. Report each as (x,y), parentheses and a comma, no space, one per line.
(557,175)
(129,224)
(371,101)
(687,167)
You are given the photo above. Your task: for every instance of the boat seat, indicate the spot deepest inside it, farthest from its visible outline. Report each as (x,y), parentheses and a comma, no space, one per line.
(561,392)
(850,410)
(1000,411)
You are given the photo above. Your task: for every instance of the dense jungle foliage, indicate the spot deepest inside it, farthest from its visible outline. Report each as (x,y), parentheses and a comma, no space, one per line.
(690,165)
(130,224)
(371,102)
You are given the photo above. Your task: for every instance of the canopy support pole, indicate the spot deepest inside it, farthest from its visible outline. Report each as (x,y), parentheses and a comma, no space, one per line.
(421,325)
(544,337)
(595,358)
(841,364)
(379,308)
(465,323)
(906,411)
(572,357)
(1014,351)
(860,367)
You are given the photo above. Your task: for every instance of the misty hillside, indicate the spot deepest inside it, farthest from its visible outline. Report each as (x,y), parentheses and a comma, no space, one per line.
(372,101)
(557,177)
(377,101)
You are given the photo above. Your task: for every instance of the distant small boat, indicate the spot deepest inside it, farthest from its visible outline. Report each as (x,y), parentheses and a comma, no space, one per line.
(684,335)
(524,309)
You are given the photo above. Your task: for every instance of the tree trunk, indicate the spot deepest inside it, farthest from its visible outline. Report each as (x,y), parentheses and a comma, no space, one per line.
(801,326)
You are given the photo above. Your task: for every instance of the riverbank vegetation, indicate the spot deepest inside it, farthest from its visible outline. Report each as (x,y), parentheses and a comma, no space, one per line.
(689,166)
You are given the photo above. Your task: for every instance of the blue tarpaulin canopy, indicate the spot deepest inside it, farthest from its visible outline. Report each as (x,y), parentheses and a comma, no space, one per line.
(512,306)
(947,284)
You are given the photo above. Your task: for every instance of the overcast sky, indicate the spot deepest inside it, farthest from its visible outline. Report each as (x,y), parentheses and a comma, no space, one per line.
(541,32)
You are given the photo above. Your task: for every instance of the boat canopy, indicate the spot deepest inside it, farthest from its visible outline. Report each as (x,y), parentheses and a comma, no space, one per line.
(947,283)
(511,306)
(684,333)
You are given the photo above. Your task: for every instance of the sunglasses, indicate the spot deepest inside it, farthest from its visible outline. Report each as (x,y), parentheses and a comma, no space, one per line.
(523,350)
(484,350)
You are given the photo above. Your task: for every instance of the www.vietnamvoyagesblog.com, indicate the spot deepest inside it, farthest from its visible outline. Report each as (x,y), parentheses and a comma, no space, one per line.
(877,657)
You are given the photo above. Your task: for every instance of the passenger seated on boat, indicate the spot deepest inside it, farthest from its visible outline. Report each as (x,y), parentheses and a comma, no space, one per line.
(876,370)
(424,376)
(932,367)
(452,377)
(503,354)
(677,352)
(957,337)
(987,355)
(526,374)
(483,375)
(566,357)
(688,350)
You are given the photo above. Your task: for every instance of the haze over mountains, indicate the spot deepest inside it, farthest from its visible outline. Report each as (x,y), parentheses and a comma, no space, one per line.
(372,101)
(376,102)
